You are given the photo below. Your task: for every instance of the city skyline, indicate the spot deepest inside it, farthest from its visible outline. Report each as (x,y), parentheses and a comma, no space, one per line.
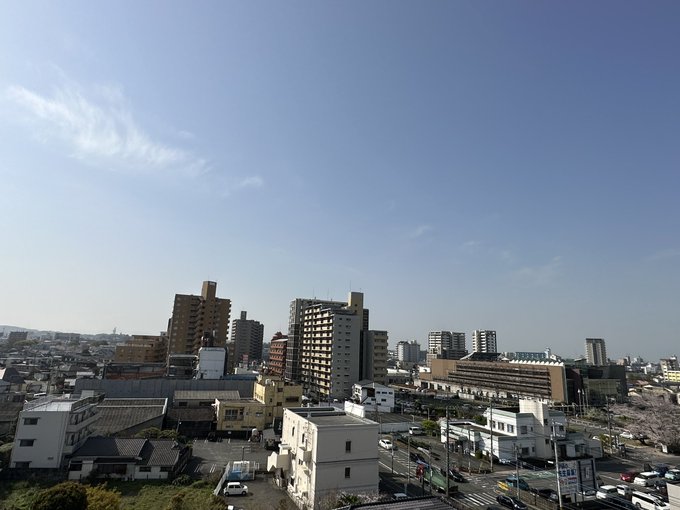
(501,166)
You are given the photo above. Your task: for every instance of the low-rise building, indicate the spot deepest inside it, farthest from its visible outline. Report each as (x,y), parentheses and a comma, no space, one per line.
(373,396)
(524,432)
(325,452)
(128,459)
(51,428)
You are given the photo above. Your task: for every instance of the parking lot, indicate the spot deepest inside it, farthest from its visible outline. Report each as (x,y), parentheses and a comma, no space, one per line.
(211,458)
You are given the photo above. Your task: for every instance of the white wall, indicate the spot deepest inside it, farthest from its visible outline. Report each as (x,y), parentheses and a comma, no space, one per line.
(48,436)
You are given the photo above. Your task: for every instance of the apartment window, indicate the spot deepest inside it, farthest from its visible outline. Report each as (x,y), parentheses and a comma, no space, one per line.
(26,442)
(22,465)
(522,429)
(347,472)
(511,428)
(231,414)
(30,421)
(348,446)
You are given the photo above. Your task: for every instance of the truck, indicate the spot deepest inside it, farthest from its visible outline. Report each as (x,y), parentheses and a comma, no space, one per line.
(426,474)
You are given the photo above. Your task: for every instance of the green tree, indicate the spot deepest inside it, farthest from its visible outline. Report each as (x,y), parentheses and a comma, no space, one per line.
(66,495)
(101,498)
(430,427)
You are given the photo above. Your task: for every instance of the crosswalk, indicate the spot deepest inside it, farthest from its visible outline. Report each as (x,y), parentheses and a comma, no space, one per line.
(478,498)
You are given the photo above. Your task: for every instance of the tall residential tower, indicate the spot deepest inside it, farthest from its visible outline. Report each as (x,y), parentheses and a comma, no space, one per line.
(596,352)
(484,341)
(194,316)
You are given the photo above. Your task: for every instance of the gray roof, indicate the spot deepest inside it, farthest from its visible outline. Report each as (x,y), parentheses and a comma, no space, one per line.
(98,446)
(161,452)
(206,395)
(116,415)
(151,452)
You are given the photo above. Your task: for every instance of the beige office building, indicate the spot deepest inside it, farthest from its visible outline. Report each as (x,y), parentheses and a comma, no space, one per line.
(193,316)
(143,349)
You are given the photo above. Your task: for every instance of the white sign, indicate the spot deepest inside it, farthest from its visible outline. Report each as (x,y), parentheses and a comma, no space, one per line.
(568,472)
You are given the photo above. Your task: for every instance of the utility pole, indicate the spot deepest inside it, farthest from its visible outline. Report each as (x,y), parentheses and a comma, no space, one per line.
(469,445)
(557,465)
(517,472)
(408,469)
(609,425)
(491,432)
(447,451)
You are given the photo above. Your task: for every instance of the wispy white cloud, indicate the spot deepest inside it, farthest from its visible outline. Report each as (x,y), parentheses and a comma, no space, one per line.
(99,129)
(664,255)
(420,231)
(254,181)
(540,275)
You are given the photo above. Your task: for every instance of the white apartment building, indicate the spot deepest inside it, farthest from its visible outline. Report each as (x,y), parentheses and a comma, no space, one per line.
(445,345)
(373,396)
(50,428)
(484,341)
(526,432)
(408,352)
(325,452)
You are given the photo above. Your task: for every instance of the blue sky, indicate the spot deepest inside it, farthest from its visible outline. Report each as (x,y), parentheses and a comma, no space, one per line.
(495,165)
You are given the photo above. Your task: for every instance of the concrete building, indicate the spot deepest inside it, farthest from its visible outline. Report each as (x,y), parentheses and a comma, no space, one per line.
(484,341)
(193,316)
(524,432)
(445,345)
(211,362)
(276,394)
(51,428)
(669,364)
(596,352)
(246,336)
(521,379)
(374,356)
(295,332)
(143,349)
(325,452)
(331,348)
(277,354)
(373,396)
(408,352)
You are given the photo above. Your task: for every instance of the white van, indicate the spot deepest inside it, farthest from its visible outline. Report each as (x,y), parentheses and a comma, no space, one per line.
(647,479)
(648,501)
(235,488)
(415,431)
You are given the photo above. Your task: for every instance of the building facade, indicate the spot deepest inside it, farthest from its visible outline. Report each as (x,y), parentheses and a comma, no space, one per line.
(193,316)
(408,352)
(325,452)
(596,352)
(445,345)
(277,355)
(246,336)
(374,356)
(51,428)
(143,349)
(484,341)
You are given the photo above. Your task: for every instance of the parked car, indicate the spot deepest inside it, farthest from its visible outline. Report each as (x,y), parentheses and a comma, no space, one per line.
(624,490)
(233,488)
(660,487)
(547,494)
(647,479)
(628,476)
(416,431)
(387,444)
(672,474)
(606,492)
(646,501)
(510,502)
(587,494)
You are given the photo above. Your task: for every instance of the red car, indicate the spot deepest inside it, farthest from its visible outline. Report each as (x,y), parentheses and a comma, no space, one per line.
(628,476)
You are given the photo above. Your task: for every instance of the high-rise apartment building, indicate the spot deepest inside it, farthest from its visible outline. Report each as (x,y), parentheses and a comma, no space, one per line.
(445,345)
(484,341)
(330,346)
(374,356)
(294,344)
(596,352)
(408,352)
(277,354)
(247,336)
(193,316)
